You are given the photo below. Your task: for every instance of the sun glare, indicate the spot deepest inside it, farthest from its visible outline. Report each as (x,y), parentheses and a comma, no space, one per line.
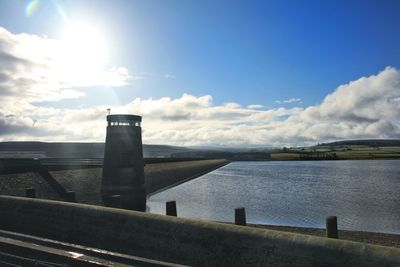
(83,50)
(85,43)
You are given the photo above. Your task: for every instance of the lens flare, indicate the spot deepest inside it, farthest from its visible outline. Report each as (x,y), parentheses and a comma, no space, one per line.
(61,12)
(31,8)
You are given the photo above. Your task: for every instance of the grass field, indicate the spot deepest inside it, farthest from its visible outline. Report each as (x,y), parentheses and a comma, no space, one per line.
(340,152)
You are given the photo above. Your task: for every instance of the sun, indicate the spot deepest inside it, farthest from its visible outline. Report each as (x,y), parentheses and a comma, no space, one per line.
(85,43)
(83,49)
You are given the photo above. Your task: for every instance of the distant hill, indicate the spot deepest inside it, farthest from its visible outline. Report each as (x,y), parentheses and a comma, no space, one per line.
(366,142)
(96,150)
(76,150)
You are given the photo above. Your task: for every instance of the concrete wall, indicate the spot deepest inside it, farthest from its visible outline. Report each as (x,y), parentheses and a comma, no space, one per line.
(162,176)
(185,241)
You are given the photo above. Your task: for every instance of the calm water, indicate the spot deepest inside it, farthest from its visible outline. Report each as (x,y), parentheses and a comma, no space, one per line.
(365,195)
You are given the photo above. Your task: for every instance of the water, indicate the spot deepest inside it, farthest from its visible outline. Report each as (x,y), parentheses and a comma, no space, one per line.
(364,194)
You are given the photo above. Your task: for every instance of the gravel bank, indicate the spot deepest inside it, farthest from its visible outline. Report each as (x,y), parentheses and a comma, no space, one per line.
(390,240)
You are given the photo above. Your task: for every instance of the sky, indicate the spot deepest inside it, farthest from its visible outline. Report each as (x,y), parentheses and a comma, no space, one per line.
(214,73)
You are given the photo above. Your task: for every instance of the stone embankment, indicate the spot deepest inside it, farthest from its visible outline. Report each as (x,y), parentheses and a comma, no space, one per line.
(86,183)
(161,176)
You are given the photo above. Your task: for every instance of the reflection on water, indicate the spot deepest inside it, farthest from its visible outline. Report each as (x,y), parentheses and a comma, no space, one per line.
(365,195)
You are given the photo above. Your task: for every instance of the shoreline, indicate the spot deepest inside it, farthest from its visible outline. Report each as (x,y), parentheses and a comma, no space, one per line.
(382,239)
(342,159)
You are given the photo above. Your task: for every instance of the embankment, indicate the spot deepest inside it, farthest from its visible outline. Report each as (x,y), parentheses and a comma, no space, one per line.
(161,176)
(86,183)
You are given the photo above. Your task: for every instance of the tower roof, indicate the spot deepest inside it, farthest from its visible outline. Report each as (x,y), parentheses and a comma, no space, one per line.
(123,117)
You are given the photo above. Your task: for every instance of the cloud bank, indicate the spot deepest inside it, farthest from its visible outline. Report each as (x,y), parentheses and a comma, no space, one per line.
(37,69)
(368,107)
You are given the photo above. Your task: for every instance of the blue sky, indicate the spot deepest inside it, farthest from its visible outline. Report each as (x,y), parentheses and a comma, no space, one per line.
(246,52)
(234,50)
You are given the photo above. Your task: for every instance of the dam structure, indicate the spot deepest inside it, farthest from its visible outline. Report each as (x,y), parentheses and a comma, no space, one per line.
(43,232)
(123,170)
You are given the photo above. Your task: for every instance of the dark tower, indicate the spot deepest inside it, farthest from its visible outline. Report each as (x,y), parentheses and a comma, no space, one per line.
(123,170)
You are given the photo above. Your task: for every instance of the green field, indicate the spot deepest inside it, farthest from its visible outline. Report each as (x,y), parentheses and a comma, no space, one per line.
(340,152)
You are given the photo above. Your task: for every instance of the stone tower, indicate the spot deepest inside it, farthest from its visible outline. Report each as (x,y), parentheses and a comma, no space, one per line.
(123,170)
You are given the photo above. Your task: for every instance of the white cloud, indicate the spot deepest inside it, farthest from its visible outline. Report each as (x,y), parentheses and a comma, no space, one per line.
(35,69)
(368,99)
(255,106)
(32,70)
(372,112)
(232,105)
(289,101)
(368,107)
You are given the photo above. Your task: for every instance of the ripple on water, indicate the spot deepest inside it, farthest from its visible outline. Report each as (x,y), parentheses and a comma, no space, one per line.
(363,194)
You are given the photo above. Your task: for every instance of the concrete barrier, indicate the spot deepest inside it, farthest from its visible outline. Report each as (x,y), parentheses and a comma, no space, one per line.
(179,240)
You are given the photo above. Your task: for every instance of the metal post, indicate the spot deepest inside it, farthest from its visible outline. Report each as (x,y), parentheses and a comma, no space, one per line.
(240,216)
(171,208)
(30,192)
(70,196)
(115,201)
(331,227)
